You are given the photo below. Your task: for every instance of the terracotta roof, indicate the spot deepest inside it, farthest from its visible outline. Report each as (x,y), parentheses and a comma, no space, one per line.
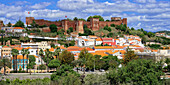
(5,46)
(106,38)
(115,51)
(122,51)
(104,51)
(101,53)
(73,47)
(103,47)
(18,48)
(86,40)
(61,47)
(138,39)
(28,48)
(18,28)
(87,48)
(98,39)
(92,36)
(154,50)
(51,49)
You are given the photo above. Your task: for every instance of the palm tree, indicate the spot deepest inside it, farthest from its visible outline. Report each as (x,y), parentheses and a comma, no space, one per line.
(41,53)
(47,53)
(24,52)
(27,52)
(15,52)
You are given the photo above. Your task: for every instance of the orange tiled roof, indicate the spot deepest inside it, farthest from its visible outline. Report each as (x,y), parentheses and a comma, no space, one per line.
(86,40)
(51,49)
(138,39)
(104,51)
(100,53)
(5,46)
(115,51)
(103,47)
(130,39)
(154,50)
(122,51)
(18,48)
(98,39)
(87,48)
(18,28)
(62,47)
(28,48)
(91,36)
(73,47)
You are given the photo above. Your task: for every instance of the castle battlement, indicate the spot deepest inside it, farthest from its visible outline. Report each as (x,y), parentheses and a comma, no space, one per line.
(94,23)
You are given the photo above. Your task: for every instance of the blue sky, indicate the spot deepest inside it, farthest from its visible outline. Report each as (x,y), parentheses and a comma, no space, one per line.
(151,15)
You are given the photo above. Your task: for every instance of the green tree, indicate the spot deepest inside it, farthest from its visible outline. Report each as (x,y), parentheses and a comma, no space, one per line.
(9,24)
(98,16)
(137,72)
(110,62)
(88,19)
(75,19)
(55,63)
(31,61)
(53,28)
(57,52)
(129,55)
(5,62)
(41,53)
(66,57)
(33,24)
(107,28)
(110,35)
(96,79)
(19,24)
(24,52)
(14,53)
(64,71)
(132,28)
(112,25)
(107,20)
(42,67)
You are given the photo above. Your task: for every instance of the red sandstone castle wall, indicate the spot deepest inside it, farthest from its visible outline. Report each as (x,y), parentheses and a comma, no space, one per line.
(94,23)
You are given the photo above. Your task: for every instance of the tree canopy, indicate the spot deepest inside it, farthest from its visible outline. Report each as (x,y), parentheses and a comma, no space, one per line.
(137,72)
(19,23)
(53,28)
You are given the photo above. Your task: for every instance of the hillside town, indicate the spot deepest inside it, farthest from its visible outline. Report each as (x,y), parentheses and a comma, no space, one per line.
(30,48)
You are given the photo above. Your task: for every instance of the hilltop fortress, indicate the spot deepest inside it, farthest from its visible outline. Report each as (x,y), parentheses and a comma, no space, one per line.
(94,24)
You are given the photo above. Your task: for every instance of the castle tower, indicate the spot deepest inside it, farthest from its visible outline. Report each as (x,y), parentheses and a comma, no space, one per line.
(79,26)
(1,24)
(29,20)
(124,21)
(94,24)
(65,25)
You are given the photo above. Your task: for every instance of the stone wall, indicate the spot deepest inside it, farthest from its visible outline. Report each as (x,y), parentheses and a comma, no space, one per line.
(94,23)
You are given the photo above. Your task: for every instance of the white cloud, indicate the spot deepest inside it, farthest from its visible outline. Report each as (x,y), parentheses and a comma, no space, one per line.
(40,5)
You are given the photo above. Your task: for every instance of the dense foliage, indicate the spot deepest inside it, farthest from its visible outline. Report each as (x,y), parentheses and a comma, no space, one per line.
(31,61)
(53,28)
(137,72)
(19,23)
